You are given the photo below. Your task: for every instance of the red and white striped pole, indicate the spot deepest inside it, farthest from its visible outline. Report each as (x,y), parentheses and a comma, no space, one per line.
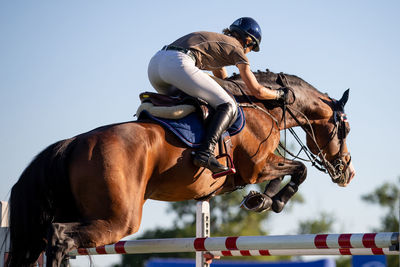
(307,252)
(274,242)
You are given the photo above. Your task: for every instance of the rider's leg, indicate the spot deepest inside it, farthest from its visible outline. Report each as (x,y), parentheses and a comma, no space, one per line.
(204,156)
(169,70)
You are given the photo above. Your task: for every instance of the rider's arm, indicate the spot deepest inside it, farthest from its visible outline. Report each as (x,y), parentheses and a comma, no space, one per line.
(220,73)
(251,82)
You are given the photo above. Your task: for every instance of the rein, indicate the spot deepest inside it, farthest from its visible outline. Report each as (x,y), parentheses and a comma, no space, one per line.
(334,170)
(323,165)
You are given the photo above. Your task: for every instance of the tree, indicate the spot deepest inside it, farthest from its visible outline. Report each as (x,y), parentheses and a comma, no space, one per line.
(387,196)
(323,224)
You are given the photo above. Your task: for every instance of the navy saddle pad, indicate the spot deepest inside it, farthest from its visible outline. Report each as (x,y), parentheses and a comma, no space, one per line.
(190,129)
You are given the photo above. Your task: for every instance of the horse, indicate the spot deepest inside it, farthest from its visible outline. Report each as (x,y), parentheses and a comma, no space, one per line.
(89,190)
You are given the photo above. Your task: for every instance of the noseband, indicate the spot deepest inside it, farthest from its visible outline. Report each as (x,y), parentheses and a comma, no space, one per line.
(339,164)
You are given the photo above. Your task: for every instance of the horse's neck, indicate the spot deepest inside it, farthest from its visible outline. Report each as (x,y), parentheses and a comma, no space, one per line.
(310,106)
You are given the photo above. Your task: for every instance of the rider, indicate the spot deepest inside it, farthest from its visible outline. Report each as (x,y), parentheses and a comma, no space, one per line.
(179,65)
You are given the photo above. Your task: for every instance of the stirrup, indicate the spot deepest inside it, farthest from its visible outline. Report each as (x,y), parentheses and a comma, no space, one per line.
(231,167)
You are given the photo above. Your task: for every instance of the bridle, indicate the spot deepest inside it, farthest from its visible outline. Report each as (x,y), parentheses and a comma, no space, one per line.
(338,167)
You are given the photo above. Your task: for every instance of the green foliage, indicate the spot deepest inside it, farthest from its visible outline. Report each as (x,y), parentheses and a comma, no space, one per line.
(343,262)
(322,224)
(386,196)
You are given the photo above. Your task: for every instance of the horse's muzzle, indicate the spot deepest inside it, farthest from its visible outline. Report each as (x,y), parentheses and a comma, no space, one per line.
(341,172)
(349,174)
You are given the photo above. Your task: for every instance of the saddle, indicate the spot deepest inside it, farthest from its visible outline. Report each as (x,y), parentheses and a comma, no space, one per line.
(172,107)
(179,107)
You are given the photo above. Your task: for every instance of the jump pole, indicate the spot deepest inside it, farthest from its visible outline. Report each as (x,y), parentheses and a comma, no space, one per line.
(275,242)
(307,252)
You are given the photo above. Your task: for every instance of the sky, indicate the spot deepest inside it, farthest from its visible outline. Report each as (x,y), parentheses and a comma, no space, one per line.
(67,67)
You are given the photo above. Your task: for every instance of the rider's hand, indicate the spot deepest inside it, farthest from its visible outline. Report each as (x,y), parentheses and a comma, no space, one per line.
(281,94)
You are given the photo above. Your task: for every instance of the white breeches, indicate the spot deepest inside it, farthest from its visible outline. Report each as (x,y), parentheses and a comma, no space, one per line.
(172,70)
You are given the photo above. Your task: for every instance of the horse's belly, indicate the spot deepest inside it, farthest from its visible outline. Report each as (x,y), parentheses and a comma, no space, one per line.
(185,186)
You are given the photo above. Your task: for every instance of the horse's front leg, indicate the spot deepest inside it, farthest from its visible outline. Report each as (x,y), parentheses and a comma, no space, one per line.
(274,197)
(282,196)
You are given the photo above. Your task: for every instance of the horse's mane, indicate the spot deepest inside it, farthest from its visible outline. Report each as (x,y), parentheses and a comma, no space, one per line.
(270,79)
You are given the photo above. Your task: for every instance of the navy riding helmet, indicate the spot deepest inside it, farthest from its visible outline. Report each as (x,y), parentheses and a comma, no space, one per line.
(247,26)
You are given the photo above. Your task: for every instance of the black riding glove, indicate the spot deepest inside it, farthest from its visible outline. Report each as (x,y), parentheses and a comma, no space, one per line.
(282,94)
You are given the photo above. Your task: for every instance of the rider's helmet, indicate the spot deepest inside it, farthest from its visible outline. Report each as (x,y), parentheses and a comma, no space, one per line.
(247,26)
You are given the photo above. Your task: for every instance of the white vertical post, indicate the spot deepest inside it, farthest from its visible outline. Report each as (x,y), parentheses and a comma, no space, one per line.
(4,214)
(202,228)
(4,236)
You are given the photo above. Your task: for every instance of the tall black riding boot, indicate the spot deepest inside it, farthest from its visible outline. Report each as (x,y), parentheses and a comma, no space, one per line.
(204,156)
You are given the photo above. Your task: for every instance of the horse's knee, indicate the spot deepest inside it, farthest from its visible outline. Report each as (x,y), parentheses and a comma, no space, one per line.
(288,191)
(300,174)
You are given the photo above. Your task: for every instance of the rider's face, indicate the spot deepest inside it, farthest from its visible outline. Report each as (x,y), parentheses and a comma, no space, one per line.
(249,48)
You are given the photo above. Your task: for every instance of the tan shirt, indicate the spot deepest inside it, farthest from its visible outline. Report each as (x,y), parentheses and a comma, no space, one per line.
(213,50)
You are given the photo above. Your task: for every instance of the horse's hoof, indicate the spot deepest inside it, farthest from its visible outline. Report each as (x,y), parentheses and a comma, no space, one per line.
(277,206)
(256,201)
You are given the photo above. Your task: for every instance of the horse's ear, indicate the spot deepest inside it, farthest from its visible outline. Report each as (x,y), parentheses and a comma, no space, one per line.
(342,102)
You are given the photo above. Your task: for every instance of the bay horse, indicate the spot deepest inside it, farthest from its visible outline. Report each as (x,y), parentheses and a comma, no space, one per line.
(89,190)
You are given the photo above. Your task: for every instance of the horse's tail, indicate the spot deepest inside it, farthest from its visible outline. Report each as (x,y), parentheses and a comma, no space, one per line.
(32,207)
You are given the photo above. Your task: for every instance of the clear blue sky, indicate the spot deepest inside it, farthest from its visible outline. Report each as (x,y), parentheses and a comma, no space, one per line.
(67,67)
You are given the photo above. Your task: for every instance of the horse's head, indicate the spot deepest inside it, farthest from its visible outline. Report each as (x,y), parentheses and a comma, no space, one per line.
(330,141)
(323,119)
